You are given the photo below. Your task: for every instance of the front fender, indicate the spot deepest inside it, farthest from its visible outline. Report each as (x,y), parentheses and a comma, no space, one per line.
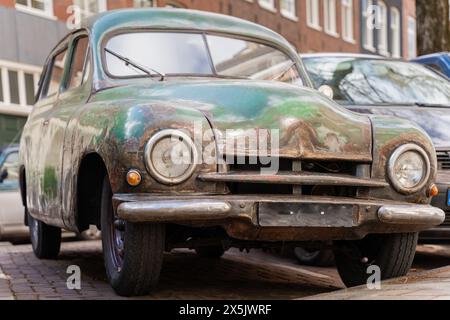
(389,133)
(119,131)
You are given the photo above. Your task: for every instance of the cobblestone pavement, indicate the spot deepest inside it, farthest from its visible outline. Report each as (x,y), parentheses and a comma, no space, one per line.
(186,276)
(426,285)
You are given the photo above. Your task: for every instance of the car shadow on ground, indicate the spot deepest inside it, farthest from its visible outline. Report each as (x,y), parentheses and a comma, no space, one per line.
(187,276)
(432,256)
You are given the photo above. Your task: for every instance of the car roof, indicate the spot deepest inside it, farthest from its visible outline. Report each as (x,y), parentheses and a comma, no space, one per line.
(178,19)
(9,148)
(432,55)
(341,55)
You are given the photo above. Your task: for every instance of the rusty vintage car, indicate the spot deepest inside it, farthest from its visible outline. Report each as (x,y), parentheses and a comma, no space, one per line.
(116,132)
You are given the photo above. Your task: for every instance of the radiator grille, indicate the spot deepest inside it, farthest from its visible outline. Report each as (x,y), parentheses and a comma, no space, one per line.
(447,219)
(443,160)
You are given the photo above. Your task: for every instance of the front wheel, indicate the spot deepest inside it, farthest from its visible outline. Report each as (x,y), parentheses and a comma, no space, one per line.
(45,239)
(393,254)
(133,252)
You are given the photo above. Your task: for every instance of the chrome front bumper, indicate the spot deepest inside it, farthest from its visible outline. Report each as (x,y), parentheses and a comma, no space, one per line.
(268,217)
(414,214)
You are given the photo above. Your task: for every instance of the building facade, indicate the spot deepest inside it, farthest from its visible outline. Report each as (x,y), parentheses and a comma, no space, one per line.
(30,28)
(388,28)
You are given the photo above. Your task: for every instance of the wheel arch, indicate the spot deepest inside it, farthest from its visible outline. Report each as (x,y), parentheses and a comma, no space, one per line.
(23,185)
(91,173)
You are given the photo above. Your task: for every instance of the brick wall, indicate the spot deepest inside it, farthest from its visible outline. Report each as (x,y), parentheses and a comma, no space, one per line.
(298,33)
(7,3)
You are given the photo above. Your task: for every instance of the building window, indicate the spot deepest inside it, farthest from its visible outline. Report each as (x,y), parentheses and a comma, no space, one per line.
(368,24)
(88,8)
(11,127)
(267,4)
(82,9)
(412,38)
(329,11)
(382,29)
(145,3)
(395,33)
(36,6)
(2,99)
(18,84)
(312,14)
(347,20)
(13,77)
(288,9)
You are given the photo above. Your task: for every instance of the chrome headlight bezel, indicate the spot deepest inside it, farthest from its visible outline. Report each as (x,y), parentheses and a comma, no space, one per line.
(393,160)
(154,140)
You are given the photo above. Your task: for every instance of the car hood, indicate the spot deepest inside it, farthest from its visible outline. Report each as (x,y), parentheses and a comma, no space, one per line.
(309,125)
(434,121)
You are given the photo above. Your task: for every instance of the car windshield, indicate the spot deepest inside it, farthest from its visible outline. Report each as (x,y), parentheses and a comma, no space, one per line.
(373,82)
(197,55)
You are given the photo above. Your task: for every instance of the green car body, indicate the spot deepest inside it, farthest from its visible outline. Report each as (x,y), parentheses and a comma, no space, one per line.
(103,127)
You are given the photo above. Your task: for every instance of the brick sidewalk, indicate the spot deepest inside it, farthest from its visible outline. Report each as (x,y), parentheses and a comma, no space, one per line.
(238,276)
(427,285)
(184,276)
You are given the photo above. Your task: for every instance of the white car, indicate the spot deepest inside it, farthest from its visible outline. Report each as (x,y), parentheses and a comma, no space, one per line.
(12,225)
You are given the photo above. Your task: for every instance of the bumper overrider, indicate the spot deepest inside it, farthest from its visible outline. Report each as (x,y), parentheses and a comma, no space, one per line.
(280,218)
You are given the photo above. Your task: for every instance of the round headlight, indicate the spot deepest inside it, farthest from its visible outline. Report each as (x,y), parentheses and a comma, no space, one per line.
(409,168)
(171,157)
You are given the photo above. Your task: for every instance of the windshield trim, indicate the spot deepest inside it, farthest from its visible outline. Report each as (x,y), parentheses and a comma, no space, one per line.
(302,74)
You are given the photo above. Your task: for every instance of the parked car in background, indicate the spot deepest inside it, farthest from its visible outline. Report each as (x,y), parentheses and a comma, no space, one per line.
(437,61)
(13,226)
(11,209)
(377,86)
(113,140)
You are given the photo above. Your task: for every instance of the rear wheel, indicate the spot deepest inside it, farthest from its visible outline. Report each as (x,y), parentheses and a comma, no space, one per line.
(392,253)
(45,239)
(133,252)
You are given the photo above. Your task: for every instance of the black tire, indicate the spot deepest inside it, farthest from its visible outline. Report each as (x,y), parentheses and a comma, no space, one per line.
(133,266)
(315,258)
(392,253)
(45,239)
(215,252)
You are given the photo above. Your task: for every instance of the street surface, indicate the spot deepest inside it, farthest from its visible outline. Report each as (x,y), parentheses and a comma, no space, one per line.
(186,276)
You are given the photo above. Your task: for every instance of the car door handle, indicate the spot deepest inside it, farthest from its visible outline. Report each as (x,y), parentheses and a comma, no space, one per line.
(46,122)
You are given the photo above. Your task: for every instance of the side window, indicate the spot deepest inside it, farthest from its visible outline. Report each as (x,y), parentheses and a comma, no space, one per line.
(56,73)
(79,60)
(436,67)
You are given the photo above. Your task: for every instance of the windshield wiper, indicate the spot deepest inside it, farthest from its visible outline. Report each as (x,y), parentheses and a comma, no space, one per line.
(129,62)
(431,105)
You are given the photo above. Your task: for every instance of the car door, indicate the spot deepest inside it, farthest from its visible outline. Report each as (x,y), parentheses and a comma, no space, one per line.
(33,146)
(71,96)
(51,135)
(74,96)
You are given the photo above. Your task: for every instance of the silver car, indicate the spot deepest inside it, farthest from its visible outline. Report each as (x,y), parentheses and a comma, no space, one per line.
(11,207)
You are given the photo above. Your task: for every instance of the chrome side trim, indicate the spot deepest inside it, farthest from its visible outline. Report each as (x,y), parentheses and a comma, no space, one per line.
(411,215)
